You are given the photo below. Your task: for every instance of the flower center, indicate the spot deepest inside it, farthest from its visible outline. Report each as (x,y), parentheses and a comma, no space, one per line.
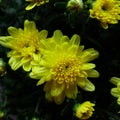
(28,44)
(66,70)
(107,6)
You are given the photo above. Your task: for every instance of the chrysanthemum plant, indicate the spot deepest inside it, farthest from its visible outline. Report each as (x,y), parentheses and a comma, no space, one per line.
(55,63)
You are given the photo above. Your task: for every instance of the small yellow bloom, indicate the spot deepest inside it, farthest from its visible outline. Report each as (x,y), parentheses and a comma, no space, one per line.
(35,3)
(106,11)
(64,66)
(24,45)
(116,91)
(84,111)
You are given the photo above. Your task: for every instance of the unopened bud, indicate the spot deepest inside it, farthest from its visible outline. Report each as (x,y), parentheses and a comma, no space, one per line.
(75,5)
(1,114)
(2,67)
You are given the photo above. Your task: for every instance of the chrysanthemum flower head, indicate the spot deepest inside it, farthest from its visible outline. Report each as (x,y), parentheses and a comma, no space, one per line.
(116,91)
(106,11)
(64,66)
(84,111)
(24,45)
(34,3)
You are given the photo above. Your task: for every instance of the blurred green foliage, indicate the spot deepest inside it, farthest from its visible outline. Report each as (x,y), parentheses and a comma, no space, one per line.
(21,99)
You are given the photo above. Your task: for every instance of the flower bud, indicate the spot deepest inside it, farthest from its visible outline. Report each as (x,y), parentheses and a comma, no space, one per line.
(2,67)
(75,5)
(1,114)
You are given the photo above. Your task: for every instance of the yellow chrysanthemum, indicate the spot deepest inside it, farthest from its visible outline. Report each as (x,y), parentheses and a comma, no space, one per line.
(106,11)
(35,3)
(84,111)
(116,91)
(64,66)
(24,45)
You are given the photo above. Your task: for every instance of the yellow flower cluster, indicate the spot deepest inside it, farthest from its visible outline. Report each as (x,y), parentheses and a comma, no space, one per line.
(84,111)
(59,62)
(34,3)
(106,11)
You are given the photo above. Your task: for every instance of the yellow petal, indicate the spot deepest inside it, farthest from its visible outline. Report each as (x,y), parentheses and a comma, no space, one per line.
(118,100)
(47,86)
(13,31)
(34,75)
(71,92)
(30,6)
(14,53)
(48,96)
(48,76)
(56,89)
(81,82)
(118,86)
(59,99)
(5,41)
(73,50)
(14,63)
(29,26)
(115,92)
(58,48)
(89,86)
(89,55)
(43,34)
(64,39)
(27,66)
(41,81)
(45,78)
(80,49)
(87,66)
(57,35)
(114,80)
(25,59)
(37,57)
(93,73)
(75,40)
(65,46)
(38,70)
